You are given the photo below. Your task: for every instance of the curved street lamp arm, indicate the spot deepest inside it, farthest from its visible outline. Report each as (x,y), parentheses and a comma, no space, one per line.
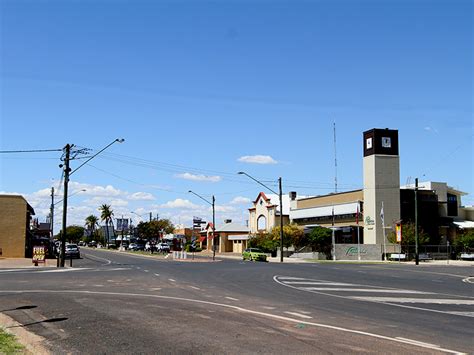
(96,154)
(202,198)
(258,182)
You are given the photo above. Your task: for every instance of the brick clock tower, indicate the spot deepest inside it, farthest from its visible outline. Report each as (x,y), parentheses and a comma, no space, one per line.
(381,183)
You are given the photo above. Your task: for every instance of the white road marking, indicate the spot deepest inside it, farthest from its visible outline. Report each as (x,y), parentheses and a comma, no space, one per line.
(415,342)
(232,299)
(108,262)
(277,279)
(146,270)
(245,310)
(171,280)
(317,283)
(375,290)
(469,280)
(416,300)
(270,308)
(157,274)
(298,315)
(466,314)
(196,288)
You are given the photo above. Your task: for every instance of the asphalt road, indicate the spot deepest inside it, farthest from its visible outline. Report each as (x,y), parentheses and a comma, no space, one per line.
(113,302)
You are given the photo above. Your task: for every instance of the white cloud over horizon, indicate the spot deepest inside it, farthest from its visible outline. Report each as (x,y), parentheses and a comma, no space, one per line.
(180,203)
(257,159)
(240,200)
(141,196)
(193,177)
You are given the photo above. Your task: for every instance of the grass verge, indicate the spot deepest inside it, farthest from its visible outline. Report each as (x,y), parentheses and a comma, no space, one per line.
(9,344)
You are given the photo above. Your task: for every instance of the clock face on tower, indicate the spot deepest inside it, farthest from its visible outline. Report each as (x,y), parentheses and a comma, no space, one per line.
(380,141)
(368,143)
(386,142)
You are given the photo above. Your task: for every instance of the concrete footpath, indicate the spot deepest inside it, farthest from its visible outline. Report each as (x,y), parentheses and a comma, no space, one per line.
(24,263)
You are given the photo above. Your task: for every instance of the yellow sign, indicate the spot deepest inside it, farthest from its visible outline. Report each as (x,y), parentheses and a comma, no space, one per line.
(398,230)
(39,254)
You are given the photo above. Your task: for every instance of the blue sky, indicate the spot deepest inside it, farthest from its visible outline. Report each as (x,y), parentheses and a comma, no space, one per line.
(194,87)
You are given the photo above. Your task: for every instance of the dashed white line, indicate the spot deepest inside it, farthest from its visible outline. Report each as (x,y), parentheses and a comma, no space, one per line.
(232,299)
(172,280)
(195,288)
(146,270)
(157,274)
(304,316)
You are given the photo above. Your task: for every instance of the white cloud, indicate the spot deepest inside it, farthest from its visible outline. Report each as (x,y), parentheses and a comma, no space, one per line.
(430,129)
(141,196)
(193,177)
(257,159)
(95,190)
(118,203)
(180,203)
(240,200)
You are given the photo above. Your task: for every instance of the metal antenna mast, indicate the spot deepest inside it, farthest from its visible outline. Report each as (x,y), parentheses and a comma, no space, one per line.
(335,158)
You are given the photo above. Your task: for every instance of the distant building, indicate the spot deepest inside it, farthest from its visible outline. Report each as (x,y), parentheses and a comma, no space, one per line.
(15,235)
(369,215)
(228,237)
(265,213)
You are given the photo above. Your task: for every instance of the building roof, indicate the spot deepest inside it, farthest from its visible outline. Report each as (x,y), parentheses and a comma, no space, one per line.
(322,211)
(232,227)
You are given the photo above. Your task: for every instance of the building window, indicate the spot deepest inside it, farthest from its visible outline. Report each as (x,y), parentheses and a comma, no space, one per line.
(452,205)
(262,223)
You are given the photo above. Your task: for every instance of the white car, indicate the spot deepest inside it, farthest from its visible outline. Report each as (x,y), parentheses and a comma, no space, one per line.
(163,247)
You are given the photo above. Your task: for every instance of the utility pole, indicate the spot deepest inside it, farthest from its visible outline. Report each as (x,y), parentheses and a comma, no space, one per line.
(52,213)
(214,227)
(121,240)
(67,170)
(417,255)
(151,216)
(281,219)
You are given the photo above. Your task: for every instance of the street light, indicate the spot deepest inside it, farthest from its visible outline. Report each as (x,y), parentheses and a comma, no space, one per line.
(281,206)
(67,174)
(213,204)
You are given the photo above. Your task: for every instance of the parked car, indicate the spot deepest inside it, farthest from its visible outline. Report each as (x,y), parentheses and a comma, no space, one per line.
(135,247)
(163,247)
(254,254)
(72,251)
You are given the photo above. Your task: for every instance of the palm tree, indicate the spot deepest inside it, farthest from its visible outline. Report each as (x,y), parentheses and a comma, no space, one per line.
(106,215)
(92,222)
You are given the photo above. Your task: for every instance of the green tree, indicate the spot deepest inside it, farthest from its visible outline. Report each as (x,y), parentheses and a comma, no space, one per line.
(292,235)
(91,223)
(264,241)
(106,215)
(466,241)
(408,236)
(154,229)
(320,239)
(74,233)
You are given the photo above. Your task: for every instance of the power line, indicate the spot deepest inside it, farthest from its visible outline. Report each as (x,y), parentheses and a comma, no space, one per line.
(31,151)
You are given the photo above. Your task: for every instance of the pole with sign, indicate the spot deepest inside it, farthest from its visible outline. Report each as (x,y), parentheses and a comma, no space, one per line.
(398,231)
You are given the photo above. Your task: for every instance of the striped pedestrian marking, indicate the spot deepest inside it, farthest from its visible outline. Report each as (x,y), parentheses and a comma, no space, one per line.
(417,300)
(383,295)
(363,290)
